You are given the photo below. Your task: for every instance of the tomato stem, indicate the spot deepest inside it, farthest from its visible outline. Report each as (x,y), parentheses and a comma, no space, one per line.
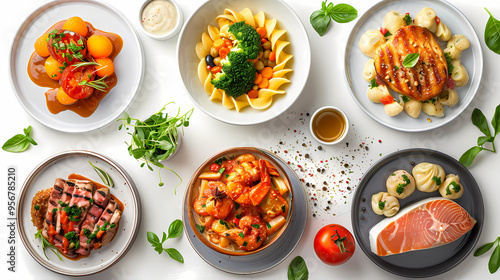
(339,242)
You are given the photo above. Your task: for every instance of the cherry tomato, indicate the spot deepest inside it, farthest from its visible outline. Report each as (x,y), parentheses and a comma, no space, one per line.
(106,67)
(100,46)
(66,46)
(450,83)
(334,244)
(438,20)
(214,167)
(223,52)
(388,99)
(74,81)
(41,46)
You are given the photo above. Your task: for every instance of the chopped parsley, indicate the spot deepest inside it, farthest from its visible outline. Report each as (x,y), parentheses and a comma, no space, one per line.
(448,61)
(381,205)
(373,83)
(405,98)
(268,225)
(37,207)
(283,208)
(393,174)
(408,19)
(245,244)
(258,239)
(387,34)
(400,188)
(222,222)
(396,67)
(437,180)
(221,170)
(220,160)
(200,228)
(456,187)
(238,216)
(241,234)
(257,226)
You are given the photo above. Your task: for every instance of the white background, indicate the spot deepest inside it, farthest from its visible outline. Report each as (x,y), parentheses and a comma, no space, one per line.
(206,136)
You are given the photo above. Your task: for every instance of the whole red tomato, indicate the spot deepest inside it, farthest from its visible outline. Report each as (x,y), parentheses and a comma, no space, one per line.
(334,244)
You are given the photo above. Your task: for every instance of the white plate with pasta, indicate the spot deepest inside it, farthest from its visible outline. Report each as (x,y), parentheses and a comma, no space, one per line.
(279,89)
(403,113)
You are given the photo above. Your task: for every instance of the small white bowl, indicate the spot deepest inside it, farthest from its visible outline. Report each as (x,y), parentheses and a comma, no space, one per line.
(346,130)
(168,35)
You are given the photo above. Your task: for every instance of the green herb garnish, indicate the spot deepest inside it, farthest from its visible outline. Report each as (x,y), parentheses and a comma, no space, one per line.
(387,34)
(381,205)
(447,56)
(257,226)
(373,83)
(19,143)
(201,229)
(174,230)
(492,34)
(341,13)
(268,225)
(106,179)
(456,187)
(245,244)
(96,84)
(405,98)
(241,234)
(408,19)
(437,180)
(479,120)
(411,60)
(156,138)
(37,207)
(297,270)
(47,244)
(494,262)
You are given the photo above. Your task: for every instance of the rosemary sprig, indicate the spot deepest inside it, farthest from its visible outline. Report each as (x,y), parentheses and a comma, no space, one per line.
(103,175)
(97,84)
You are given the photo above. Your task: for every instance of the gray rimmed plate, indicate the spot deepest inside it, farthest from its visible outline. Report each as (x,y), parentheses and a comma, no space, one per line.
(61,165)
(355,61)
(422,263)
(129,64)
(271,256)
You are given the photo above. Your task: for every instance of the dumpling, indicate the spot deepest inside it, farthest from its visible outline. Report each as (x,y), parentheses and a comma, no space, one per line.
(428,176)
(393,21)
(370,41)
(393,109)
(376,93)
(433,108)
(411,106)
(400,184)
(448,97)
(369,72)
(443,32)
(459,73)
(426,18)
(451,187)
(385,204)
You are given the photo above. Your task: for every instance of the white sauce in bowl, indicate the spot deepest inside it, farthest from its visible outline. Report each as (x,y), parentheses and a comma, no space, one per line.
(159,17)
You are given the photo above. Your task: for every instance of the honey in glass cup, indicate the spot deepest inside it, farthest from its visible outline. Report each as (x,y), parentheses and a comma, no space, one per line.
(329,125)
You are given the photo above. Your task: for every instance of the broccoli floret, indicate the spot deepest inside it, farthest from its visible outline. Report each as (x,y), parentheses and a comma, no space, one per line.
(245,39)
(237,76)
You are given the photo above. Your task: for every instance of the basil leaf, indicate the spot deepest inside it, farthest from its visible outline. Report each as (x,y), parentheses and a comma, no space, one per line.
(495,122)
(297,270)
(152,238)
(411,60)
(17,144)
(106,179)
(200,228)
(483,139)
(468,157)
(320,21)
(343,13)
(479,120)
(164,238)
(494,262)
(483,249)
(175,229)
(492,34)
(174,254)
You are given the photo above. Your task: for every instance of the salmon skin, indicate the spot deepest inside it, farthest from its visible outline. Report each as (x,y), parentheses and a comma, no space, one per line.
(426,224)
(427,78)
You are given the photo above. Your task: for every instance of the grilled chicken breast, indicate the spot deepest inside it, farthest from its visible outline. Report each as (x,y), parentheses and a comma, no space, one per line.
(423,81)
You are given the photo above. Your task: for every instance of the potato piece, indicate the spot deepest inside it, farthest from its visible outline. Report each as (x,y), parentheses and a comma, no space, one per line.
(203,187)
(275,224)
(224,242)
(280,184)
(209,175)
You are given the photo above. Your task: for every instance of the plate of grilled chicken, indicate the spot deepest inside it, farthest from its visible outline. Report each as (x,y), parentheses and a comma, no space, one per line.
(78,213)
(413,65)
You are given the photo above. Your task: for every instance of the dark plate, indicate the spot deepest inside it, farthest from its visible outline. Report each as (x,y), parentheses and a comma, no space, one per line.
(423,263)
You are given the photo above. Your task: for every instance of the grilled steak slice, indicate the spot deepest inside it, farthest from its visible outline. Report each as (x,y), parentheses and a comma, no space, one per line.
(111,230)
(79,204)
(49,225)
(423,81)
(69,187)
(101,198)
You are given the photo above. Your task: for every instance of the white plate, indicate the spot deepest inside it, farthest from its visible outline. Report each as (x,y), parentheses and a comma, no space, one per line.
(188,60)
(61,165)
(355,61)
(129,64)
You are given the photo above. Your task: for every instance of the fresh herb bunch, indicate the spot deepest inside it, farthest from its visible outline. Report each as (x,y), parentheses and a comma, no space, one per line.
(174,230)
(494,262)
(297,270)
(479,120)
(106,179)
(341,13)
(46,244)
(19,142)
(492,34)
(155,138)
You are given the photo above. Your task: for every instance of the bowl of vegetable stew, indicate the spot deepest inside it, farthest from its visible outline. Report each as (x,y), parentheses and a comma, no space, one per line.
(239,201)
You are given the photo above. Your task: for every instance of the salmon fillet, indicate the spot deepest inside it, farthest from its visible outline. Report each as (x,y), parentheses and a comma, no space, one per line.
(426,224)
(423,81)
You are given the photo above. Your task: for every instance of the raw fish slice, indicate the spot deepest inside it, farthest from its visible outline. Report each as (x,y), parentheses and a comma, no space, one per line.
(101,198)
(426,224)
